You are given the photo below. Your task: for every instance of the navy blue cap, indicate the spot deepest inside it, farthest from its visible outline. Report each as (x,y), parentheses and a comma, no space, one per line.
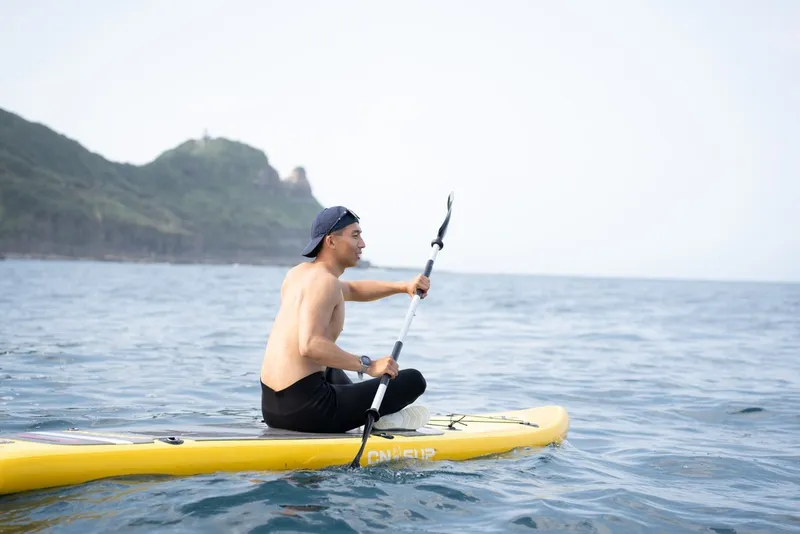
(327,221)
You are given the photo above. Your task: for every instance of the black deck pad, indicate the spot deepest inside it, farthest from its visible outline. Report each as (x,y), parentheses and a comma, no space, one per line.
(278,433)
(210,433)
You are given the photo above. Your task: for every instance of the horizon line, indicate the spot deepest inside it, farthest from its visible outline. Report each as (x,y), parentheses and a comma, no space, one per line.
(629,277)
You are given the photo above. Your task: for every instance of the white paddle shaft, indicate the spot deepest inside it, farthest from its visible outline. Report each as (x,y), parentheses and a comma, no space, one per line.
(376,402)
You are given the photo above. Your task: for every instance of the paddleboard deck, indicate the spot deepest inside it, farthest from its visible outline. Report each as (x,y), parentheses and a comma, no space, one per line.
(43,459)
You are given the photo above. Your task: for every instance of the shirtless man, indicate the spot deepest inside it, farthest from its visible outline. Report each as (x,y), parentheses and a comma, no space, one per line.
(303,384)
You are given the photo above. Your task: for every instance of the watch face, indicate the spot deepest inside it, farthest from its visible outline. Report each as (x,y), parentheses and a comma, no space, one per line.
(365,360)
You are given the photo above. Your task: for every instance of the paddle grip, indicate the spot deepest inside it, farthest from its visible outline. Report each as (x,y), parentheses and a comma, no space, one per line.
(426,273)
(398,346)
(429,264)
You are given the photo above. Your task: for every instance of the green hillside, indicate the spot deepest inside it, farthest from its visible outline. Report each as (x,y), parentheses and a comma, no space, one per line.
(204,200)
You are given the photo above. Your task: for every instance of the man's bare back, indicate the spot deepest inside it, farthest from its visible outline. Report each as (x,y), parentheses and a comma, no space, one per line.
(305,285)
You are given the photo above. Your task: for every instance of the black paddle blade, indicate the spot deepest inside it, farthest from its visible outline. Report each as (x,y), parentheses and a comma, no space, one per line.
(443,227)
(367,429)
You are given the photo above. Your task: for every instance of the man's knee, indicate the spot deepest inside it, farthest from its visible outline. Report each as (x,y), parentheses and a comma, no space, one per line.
(416,382)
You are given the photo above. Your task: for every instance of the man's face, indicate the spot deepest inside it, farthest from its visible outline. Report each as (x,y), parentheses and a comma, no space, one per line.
(348,245)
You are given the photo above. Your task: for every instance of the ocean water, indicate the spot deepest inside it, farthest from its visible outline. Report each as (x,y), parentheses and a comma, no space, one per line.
(684,399)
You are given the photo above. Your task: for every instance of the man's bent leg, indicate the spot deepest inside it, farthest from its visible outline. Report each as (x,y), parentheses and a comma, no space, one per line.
(353,400)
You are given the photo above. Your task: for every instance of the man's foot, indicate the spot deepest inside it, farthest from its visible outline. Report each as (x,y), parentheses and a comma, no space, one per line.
(409,418)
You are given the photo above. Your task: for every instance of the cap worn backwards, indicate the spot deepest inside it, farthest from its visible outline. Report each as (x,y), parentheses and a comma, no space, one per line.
(327,221)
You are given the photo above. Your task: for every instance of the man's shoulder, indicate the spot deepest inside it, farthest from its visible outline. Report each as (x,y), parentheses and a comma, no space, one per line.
(313,276)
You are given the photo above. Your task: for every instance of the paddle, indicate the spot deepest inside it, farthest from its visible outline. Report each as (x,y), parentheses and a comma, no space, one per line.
(372,413)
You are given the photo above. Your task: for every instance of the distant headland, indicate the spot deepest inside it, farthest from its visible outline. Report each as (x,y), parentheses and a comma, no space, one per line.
(207,200)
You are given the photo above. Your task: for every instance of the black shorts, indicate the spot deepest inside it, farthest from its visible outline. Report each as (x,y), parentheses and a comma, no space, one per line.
(330,402)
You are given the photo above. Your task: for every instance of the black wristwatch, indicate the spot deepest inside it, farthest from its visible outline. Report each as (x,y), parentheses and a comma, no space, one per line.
(365,363)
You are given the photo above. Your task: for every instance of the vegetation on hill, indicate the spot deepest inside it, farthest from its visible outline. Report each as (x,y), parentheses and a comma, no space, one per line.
(205,200)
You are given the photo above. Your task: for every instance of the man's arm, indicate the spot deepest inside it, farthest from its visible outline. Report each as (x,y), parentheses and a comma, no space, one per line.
(369,290)
(314,316)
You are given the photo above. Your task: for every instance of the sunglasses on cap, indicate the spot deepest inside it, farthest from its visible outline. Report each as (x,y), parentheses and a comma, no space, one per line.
(344,211)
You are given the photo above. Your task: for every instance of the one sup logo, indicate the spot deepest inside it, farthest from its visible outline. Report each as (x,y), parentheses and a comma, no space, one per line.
(374,457)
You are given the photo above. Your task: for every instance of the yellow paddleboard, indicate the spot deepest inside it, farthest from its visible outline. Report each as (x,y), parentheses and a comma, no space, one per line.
(42,459)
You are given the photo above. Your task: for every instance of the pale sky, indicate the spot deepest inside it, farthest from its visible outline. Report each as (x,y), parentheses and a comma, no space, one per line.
(623,138)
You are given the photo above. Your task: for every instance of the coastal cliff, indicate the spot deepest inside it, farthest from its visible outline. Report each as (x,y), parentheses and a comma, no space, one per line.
(206,200)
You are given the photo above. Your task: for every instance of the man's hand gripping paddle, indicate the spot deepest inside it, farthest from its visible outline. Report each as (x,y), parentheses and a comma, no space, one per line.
(372,413)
